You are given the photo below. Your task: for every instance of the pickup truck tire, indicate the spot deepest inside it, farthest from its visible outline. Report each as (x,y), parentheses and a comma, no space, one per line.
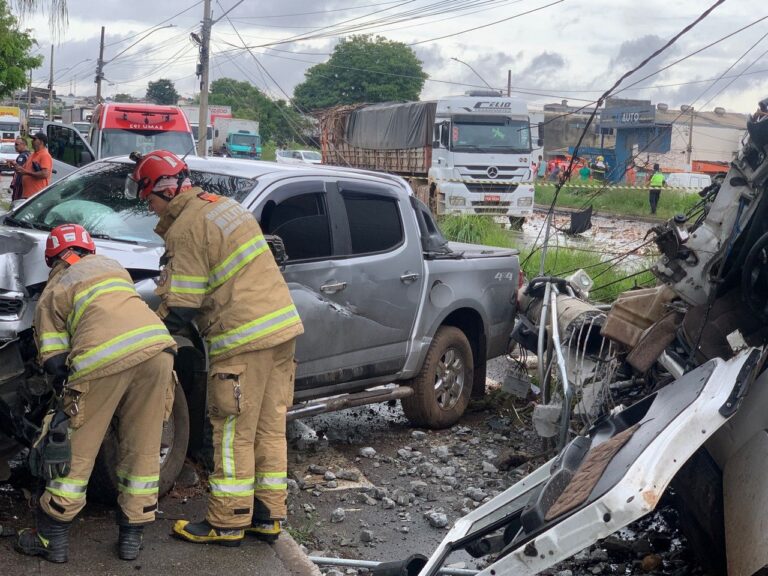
(442,388)
(103,483)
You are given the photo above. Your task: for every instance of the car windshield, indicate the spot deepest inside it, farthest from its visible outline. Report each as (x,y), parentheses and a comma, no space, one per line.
(245,139)
(7,149)
(95,197)
(9,126)
(312,155)
(490,135)
(82,127)
(117,142)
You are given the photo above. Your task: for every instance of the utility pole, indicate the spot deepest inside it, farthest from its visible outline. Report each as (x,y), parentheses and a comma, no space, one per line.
(689,149)
(205,51)
(29,98)
(99,68)
(509,83)
(50,90)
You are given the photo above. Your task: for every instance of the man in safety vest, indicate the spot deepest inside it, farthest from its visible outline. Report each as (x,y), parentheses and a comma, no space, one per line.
(656,183)
(108,354)
(220,273)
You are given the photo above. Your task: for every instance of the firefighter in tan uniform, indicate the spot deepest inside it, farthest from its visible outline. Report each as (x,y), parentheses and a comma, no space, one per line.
(220,273)
(110,355)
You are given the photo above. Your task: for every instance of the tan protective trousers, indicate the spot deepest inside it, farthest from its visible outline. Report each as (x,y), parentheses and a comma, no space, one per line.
(140,397)
(248,396)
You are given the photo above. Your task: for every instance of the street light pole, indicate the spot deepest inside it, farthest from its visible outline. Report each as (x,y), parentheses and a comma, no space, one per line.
(689,148)
(475,71)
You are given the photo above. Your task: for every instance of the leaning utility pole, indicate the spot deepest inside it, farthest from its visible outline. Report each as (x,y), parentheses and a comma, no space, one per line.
(50,90)
(509,83)
(205,48)
(99,68)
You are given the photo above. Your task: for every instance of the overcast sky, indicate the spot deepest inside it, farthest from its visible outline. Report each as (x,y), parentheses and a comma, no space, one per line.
(574,49)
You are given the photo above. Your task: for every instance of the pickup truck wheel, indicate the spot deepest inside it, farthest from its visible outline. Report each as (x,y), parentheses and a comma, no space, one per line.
(442,389)
(102,486)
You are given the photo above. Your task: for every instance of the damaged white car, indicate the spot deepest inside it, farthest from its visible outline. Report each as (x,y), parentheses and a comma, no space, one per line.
(696,346)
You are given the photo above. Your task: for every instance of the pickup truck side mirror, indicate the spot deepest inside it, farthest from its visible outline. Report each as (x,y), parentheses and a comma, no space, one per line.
(444,131)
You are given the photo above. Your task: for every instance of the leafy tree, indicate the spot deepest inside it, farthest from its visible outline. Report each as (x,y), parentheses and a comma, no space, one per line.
(162,92)
(15,59)
(362,69)
(122,97)
(278,120)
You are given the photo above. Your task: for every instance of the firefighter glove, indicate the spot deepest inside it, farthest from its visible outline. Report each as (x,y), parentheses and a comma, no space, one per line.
(179,320)
(51,455)
(57,367)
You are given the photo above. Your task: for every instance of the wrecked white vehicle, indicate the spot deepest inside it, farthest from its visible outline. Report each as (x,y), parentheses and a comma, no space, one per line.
(697,344)
(391,309)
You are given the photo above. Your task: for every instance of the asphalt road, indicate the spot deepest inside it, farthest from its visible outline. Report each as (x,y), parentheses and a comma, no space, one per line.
(93,552)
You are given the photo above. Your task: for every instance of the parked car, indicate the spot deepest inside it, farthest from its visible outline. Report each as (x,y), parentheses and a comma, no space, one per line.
(298,157)
(7,152)
(688,180)
(383,297)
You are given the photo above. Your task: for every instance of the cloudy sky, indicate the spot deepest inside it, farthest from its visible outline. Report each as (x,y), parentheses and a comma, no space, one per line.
(566,49)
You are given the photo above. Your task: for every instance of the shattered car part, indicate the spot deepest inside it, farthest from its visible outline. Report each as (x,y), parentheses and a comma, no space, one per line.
(606,480)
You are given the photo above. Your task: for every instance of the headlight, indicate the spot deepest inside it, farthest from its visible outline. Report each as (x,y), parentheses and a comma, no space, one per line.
(457,201)
(527,201)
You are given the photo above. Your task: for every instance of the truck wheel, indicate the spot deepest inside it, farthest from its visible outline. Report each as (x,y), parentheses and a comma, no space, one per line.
(103,483)
(516,222)
(442,388)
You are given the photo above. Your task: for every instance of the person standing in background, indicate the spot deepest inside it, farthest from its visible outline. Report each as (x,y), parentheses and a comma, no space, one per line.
(21,148)
(36,173)
(656,183)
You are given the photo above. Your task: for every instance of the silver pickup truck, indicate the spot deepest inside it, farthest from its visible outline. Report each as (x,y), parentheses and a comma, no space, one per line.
(391,309)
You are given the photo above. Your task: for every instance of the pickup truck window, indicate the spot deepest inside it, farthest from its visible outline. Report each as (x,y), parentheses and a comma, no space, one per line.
(302,222)
(374,223)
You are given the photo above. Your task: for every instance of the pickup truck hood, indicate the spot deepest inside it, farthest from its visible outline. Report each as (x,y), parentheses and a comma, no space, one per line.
(22,266)
(480,251)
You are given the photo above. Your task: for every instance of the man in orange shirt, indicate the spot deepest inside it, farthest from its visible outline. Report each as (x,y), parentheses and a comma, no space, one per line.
(36,172)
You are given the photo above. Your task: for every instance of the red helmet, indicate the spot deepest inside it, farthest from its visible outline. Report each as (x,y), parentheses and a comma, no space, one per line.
(66,237)
(156,165)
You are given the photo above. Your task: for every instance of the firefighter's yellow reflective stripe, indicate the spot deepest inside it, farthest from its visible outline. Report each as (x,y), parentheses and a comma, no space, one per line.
(231,487)
(235,261)
(53,341)
(67,487)
(118,346)
(184,284)
(85,297)
(271,481)
(137,484)
(228,447)
(254,330)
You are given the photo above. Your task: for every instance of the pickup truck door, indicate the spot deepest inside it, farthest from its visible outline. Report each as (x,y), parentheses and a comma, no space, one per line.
(355,279)
(68,149)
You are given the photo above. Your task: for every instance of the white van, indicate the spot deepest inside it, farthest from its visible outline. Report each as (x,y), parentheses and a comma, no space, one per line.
(688,180)
(298,157)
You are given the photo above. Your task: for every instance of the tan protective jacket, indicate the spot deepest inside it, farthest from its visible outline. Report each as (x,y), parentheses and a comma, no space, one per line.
(217,261)
(91,310)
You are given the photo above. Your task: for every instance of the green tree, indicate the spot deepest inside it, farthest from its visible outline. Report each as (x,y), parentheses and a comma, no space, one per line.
(122,97)
(278,120)
(362,69)
(162,92)
(15,57)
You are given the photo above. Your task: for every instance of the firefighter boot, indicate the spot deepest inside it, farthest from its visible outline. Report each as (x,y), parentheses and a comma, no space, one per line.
(50,539)
(268,530)
(204,533)
(129,541)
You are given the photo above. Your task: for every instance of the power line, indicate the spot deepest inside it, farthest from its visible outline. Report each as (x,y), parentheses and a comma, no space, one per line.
(489,24)
(607,93)
(155,26)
